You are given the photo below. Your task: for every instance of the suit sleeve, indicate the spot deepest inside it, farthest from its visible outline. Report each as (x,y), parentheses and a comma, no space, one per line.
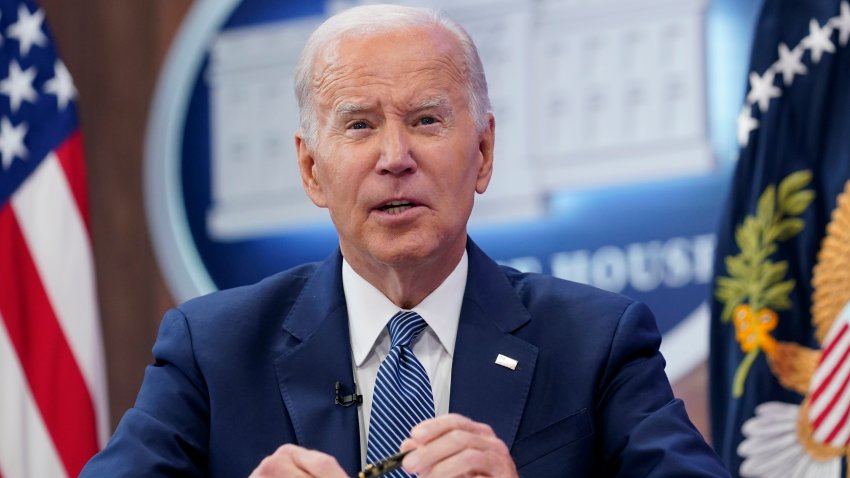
(166,432)
(646,431)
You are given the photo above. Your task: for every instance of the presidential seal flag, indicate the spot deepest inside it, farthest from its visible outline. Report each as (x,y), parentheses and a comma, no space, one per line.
(53,404)
(780,344)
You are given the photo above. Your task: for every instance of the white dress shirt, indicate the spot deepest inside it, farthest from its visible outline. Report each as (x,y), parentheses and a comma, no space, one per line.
(369,312)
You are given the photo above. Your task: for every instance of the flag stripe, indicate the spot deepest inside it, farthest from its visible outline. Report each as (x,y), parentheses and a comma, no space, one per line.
(52,373)
(831,342)
(836,386)
(46,210)
(35,455)
(840,423)
(70,155)
(828,410)
(842,437)
(833,396)
(831,369)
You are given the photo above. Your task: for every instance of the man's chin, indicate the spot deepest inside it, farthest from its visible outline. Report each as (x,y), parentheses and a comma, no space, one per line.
(396,256)
(409,249)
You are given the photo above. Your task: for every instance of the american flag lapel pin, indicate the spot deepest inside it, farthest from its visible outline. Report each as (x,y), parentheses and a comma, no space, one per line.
(506,361)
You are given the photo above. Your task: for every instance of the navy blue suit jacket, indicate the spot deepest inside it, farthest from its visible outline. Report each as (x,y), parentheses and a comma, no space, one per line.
(240,372)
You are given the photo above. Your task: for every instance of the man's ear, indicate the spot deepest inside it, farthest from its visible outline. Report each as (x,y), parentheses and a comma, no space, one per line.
(486,143)
(309,175)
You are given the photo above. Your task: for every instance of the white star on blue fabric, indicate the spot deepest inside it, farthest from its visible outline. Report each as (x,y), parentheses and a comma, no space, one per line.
(790,63)
(818,40)
(27,30)
(18,85)
(762,89)
(11,142)
(842,23)
(61,85)
(746,124)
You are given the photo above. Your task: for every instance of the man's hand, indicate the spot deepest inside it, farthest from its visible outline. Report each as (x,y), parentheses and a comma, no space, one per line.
(293,461)
(452,446)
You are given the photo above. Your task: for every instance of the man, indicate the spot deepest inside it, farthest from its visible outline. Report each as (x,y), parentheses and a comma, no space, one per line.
(543,378)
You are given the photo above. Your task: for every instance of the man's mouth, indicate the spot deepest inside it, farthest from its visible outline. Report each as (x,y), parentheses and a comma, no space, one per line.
(396,207)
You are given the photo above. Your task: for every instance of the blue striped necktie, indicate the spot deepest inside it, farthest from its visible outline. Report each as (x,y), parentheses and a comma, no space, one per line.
(402,397)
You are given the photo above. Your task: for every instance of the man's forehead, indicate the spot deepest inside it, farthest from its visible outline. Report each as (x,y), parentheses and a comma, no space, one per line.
(392,55)
(352,91)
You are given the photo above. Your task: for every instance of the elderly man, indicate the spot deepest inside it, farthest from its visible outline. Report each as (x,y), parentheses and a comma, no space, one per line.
(318,370)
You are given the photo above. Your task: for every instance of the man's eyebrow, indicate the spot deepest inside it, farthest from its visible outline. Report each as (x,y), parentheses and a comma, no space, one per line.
(348,108)
(430,103)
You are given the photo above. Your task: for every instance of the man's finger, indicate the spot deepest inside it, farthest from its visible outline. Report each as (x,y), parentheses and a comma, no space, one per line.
(318,464)
(292,461)
(468,462)
(435,427)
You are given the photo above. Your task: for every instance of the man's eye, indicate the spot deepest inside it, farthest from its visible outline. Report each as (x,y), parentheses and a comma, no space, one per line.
(358,125)
(427,120)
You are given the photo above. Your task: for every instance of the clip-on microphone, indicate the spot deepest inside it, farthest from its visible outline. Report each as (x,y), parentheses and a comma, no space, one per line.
(347,400)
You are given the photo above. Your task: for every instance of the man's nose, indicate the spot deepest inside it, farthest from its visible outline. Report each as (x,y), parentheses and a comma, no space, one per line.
(396,156)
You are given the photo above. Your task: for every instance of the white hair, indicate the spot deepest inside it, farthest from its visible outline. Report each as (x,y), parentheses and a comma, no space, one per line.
(370,20)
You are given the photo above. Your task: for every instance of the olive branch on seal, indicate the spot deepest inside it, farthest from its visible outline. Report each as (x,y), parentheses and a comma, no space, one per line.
(756,287)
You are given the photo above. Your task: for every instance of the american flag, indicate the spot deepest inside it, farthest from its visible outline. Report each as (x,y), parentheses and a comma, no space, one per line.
(53,403)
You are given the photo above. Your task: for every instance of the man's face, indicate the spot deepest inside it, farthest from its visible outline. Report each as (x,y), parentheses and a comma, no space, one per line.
(398,157)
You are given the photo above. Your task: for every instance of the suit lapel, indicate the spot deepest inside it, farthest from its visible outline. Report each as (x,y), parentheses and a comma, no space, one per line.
(316,354)
(491,311)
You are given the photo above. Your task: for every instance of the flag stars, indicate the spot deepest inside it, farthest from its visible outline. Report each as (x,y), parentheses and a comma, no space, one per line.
(790,63)
(11,142)
(746,124)
(818,40)
(762,89)
(27,30)
(18,85)
(61,85)
(842,23)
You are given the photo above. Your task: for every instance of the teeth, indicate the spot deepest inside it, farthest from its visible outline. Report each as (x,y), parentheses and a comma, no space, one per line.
(396,207)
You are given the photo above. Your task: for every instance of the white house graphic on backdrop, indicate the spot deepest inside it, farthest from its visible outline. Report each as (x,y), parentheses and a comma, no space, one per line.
(585,92)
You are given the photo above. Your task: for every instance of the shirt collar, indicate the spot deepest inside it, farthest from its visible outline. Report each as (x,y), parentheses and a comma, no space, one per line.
(369,310)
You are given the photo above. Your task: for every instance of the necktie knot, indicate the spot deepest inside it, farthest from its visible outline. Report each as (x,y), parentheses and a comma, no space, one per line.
(404,327)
